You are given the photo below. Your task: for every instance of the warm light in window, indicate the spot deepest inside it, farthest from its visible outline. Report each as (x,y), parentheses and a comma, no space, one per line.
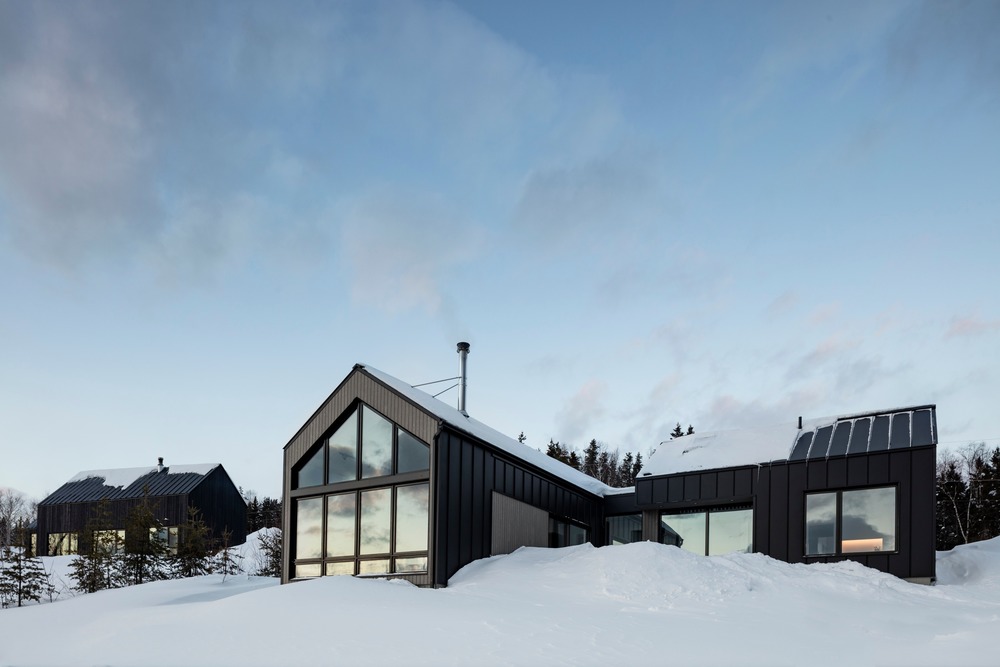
(860,546)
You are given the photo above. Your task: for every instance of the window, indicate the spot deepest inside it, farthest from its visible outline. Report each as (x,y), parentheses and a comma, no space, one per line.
(378,529)
(365,445)
(167,536)
(851,522)
(63,544)
(563,533)
(711,532)
(372,531)
(623,529)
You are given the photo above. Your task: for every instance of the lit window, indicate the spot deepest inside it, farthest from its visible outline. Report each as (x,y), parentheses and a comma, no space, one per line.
(851,522)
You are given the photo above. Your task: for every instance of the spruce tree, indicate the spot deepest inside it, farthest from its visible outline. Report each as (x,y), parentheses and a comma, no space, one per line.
(95,567)
(625,475)
(269,556)
(254,522)
(677,432)
(22,577)
(226,561)
(194,543)
(145,553)
(590,456)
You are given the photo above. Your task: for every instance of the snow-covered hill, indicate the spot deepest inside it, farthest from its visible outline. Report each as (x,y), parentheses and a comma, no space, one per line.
(635,604)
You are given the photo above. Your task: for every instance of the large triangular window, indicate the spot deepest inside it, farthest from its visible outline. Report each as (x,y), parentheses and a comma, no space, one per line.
(365,445)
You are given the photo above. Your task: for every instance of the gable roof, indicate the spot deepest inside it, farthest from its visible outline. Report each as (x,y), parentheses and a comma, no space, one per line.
(487,434)
(119,483)
(825,437)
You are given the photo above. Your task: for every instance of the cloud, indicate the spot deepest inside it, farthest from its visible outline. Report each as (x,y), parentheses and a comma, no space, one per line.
(398,247)
(972,325)
(584,408)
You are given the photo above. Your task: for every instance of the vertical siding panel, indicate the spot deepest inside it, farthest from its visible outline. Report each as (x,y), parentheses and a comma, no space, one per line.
(778,534)
(796,511)
(761,510)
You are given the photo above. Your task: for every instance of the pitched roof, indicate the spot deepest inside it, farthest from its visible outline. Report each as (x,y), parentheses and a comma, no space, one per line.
(118,483)
(824,437)
(487,434)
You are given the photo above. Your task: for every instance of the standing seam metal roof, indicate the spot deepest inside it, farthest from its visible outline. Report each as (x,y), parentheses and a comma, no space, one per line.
(83,488)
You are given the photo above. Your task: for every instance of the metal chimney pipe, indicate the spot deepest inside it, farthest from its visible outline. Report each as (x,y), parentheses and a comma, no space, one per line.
(159,466)
(463,353)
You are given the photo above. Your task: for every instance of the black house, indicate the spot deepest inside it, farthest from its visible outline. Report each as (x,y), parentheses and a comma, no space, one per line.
(385,480)
(171,490)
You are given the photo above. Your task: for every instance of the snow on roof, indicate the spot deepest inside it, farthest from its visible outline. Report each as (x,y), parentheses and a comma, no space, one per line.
(124,477)
(489,435)
(861,432)
(722,449)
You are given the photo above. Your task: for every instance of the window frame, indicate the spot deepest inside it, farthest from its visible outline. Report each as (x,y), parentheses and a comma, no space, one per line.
(839,518)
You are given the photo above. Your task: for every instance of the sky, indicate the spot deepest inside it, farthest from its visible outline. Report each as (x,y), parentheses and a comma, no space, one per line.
(642,213)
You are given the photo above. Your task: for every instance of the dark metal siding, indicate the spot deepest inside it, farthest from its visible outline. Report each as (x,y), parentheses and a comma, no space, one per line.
(467,472)
(778,492)
(222,507)
(73,517)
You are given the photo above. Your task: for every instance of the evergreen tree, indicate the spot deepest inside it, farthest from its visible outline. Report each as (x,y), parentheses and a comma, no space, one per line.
(226,561)
(269,556)
(95,566)
(521,438)
(254,520)
(625,475)
(145,552)
(590,457)
(574,460)
(637,466)
(194,543)
(951,496)
(22,577)
(677,432)
(270,513)
(690,430)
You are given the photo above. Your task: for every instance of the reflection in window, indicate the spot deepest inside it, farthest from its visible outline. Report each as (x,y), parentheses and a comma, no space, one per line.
(167,535)
(305,570)
(624,529)
(412,454)
(686,531)
(714,532)
(868,521)
(63,544)
(376,445)
(821,524)
(864,523)
(384,448)
(380,566)
(730,532)
(411,564)
(376,521)
(563,533)
(311,472)
(343,452)
(309,528)
(339,568)
(411,517)
(340,514)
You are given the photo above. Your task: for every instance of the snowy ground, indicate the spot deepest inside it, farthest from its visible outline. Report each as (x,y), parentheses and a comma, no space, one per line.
(636,604)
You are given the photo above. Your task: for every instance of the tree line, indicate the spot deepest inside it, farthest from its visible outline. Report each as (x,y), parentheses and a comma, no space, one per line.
(967,495)
(603,463)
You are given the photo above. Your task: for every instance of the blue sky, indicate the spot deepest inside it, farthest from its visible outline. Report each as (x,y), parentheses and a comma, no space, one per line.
(720,214)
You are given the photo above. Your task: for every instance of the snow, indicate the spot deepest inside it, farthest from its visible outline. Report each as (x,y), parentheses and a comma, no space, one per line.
(124,477)
(639,604)
(487,434)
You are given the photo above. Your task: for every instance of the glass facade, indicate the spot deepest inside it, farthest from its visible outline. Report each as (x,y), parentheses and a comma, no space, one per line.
(364,437)
(851,522)
(712,533)
(63,544)
(372,531)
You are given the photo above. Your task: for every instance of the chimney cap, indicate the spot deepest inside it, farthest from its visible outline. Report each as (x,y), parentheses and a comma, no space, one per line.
(463,347)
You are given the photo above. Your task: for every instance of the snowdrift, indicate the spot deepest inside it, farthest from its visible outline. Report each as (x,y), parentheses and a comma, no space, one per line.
(640,604)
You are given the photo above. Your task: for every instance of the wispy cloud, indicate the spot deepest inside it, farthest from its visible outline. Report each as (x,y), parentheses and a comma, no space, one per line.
(971,325)
(398,247)
(582,409)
